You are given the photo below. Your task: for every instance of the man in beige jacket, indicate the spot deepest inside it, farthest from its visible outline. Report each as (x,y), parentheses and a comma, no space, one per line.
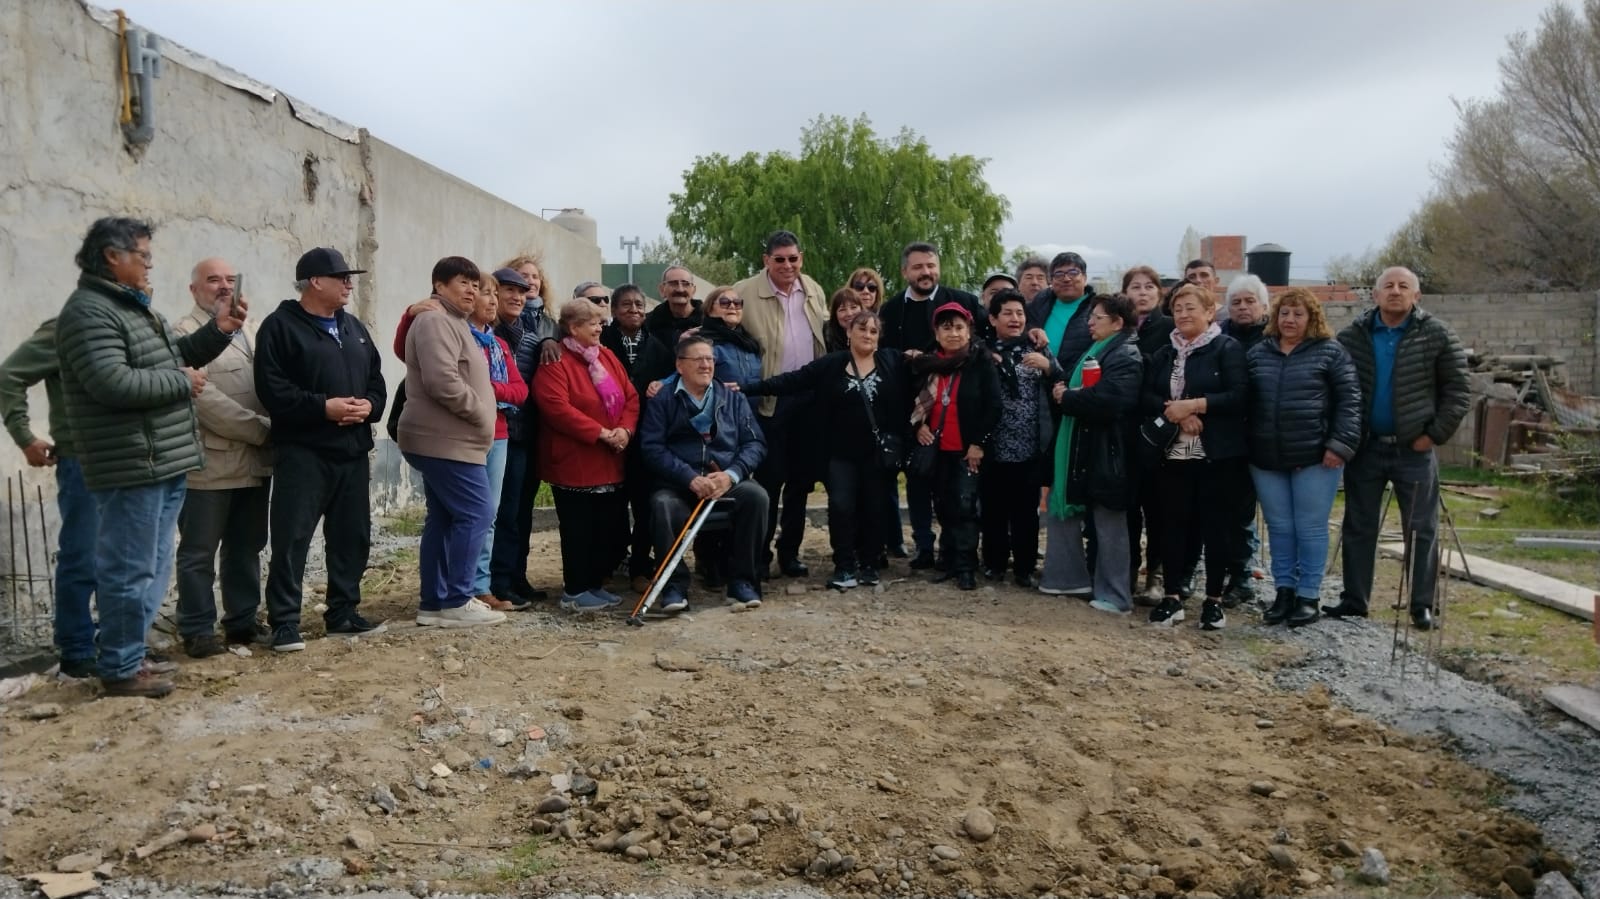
(226,503)
(785,310)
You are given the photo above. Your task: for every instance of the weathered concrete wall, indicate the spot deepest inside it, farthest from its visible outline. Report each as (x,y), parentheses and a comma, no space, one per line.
(1556,324)
(228,174)
(235,170)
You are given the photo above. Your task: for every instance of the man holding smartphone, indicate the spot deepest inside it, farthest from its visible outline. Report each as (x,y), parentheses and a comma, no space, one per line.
(226,504)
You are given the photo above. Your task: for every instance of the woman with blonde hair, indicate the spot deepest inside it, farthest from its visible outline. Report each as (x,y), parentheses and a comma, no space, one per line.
(868,285)
(1305,424)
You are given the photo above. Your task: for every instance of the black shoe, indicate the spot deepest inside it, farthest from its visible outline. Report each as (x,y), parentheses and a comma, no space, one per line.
(1167,614)
(898,552)
(843,579)
(1422,619)
(529,592)
(883,560)
(77,668)
(923,561)
(744,593)
(794,568)
(994,574)
(286,638)
(1027,580)
(258,633)
(672,600)
(868,576)
(1282,606)
(940,577)
(203,646)
(1305,612)
(966,580)
(1345,609)
(1212,617)
(1239,594)
(941,562)
(354,626)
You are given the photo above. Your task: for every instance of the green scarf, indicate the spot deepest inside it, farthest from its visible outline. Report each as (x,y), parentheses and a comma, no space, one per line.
(1059,507)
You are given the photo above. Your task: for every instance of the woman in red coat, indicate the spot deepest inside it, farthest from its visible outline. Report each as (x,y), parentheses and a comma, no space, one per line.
(588,413)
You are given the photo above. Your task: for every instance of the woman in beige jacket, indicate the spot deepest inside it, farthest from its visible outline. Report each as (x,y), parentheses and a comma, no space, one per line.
(445,432)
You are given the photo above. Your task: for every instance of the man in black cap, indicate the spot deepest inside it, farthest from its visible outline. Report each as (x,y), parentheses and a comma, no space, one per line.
(320,378)
(996,282)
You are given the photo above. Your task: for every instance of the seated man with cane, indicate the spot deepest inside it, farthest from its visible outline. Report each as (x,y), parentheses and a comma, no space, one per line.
(701,442)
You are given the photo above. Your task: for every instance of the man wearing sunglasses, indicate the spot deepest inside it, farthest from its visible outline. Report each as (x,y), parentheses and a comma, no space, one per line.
(785,310)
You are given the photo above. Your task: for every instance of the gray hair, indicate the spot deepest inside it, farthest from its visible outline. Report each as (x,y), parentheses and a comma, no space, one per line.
(110,233)
(1248,284)
(1032,262)
(302,285)
(578,291)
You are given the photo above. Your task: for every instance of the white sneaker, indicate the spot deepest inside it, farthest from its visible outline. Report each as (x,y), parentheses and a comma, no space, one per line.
(472,614)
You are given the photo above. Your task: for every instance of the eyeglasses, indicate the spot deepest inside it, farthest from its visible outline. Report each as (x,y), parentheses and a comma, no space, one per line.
(699,360)
(342,279)
(678,282)
(726,303)
(144,255)
(1063,273)
(790,259)
(865,285)
(601,300)
(1098,317)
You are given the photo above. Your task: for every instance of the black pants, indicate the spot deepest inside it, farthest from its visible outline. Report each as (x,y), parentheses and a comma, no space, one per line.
(308,487)
(510,539)
(1200,506)
(1009,493)
(855,501)
(1144,517)
(638,487)
(955,502)
(517,553)
(236,520)
(669,511)
(589,524)
(787,475)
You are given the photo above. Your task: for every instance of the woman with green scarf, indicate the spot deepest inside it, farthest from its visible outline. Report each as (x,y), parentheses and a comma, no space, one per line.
(1092,472)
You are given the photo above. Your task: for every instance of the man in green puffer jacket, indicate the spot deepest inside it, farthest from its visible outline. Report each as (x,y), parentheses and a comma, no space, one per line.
(1414,386)
(129,385)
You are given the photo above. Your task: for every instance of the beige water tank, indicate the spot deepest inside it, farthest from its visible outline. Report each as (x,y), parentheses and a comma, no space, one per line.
(575,221)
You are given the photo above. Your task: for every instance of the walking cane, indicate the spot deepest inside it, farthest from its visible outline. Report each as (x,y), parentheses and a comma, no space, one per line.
(668,565)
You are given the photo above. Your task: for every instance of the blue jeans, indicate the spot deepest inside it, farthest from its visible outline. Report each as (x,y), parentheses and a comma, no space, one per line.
(80,522)
(459,514)
(133,565)
(496,467)
(1295,505)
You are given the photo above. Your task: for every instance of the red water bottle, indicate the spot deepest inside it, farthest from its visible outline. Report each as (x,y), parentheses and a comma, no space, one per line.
(1091,372)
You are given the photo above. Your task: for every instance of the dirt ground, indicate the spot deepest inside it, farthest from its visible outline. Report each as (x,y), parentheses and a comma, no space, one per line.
(917,740)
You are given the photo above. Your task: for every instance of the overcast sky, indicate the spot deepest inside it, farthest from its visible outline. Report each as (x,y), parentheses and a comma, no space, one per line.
(1111,127)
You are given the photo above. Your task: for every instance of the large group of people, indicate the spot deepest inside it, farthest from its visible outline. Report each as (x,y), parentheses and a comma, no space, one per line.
(1138,430)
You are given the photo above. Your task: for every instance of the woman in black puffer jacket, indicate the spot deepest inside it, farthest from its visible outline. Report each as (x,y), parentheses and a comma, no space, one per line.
(1305,423)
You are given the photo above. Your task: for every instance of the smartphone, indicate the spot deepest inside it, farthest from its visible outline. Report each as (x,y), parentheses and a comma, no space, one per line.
(238,285)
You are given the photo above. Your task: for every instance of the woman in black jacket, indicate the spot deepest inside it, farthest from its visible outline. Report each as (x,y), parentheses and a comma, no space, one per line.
(1091,474)
(1197,385)
(1014,469)
(956,409)
(1142,285)
(1305,424)
(847,383)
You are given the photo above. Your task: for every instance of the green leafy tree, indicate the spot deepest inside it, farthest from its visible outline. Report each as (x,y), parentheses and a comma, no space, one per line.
(851,197)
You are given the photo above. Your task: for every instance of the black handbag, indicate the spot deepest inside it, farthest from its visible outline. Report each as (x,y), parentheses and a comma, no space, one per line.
(889,448)
(1156,436)
(923,457)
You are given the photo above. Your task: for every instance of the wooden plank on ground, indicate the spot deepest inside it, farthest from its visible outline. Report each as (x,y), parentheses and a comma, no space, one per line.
(1581,703)
(1557,543)
(1530,585)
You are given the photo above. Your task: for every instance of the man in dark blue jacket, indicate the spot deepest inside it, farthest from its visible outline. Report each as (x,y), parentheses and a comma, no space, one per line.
(701,441)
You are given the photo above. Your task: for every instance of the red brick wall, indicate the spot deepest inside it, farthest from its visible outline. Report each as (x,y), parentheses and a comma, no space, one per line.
(1224,251)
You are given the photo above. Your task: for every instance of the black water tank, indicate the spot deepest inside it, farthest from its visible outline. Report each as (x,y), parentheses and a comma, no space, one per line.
(1270,263)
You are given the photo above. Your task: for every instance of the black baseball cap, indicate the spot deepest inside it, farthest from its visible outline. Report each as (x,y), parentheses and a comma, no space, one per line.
(323,262)
(511,276)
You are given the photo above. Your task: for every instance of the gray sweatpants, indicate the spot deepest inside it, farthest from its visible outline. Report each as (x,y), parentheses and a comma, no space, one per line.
(1066,567)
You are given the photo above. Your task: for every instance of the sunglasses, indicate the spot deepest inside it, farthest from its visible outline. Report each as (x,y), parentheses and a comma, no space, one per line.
(726,303)
(865,285)
(601,300)
(789,259)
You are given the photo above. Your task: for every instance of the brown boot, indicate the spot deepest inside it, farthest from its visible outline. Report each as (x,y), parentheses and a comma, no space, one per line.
(142,684)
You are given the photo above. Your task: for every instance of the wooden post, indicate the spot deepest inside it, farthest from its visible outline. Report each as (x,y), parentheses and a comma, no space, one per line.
(1597,618)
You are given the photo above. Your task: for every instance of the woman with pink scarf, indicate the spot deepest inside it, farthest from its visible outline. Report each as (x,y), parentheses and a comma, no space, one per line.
(1193,405)
(588,413)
